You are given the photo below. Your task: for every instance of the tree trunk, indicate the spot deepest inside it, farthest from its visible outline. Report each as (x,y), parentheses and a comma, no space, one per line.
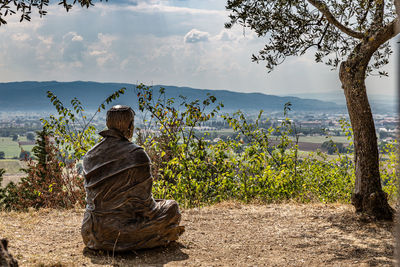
(6,259)
(367,196)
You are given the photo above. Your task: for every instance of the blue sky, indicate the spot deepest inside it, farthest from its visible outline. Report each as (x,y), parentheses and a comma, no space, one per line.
(170,42)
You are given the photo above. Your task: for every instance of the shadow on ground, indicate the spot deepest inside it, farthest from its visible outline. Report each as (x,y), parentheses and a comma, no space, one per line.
(154,257)
(369,250)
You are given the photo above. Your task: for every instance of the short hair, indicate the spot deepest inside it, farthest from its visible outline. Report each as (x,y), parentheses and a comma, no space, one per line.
(119,118)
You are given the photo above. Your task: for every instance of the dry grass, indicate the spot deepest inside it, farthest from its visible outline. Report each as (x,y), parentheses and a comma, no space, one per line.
(228,234)
(12,166)
(13,170)
(7,178)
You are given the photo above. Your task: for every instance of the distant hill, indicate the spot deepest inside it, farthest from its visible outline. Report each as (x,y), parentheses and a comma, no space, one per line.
(31,96)
(379,103)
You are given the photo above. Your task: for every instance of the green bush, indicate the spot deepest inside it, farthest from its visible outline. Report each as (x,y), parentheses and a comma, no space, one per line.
(247,168)
(388,168)
(194,171)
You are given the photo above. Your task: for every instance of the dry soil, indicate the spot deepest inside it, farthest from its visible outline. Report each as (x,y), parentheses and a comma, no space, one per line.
(227,234)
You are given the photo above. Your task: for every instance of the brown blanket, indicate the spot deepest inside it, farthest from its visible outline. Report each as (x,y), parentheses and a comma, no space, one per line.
(121,213)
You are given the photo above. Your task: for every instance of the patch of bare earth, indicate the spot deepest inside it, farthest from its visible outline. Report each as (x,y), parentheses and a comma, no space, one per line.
(228,234)
(15,178)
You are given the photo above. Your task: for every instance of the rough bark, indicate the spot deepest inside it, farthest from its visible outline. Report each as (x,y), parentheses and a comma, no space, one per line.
(6,259)
(368,196)
(397,7)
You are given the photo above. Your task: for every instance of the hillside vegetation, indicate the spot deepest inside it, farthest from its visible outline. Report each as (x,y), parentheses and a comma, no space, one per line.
(256,164)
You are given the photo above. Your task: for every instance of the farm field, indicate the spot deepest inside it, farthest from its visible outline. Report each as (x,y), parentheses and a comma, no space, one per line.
(13,170)
(306,143)
(11,148)
(319,139)
(12,166)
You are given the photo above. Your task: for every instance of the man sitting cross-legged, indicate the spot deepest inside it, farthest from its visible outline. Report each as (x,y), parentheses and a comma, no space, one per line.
(121,213)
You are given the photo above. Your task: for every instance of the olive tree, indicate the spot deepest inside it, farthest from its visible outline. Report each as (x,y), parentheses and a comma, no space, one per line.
(24,8)
(351,35)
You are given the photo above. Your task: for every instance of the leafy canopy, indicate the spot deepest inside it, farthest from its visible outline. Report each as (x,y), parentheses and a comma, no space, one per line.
(24,7)
(330,28)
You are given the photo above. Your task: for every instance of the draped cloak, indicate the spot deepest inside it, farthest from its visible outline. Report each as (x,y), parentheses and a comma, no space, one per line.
(121,213)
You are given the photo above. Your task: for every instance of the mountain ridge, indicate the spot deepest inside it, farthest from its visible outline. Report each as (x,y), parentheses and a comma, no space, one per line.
(31,96)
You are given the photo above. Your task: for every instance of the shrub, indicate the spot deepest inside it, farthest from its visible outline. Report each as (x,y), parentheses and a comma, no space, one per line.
(49,182)
(249,167)
(388,168)
(30,136)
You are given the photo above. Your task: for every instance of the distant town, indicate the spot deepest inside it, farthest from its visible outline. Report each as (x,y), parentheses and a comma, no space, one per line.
(311,128)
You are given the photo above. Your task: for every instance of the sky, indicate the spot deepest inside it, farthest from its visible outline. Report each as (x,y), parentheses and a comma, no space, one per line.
(169,42)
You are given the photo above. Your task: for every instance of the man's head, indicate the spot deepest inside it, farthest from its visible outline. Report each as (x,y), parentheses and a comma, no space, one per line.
(121,118)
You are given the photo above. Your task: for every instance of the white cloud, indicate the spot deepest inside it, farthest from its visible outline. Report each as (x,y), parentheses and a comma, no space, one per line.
(20,37)
(151,2)
(101,49)
(13,23)
(101,61)
(225,36)
(196,36)
(97,52)
(48,40)
(73,48)
(106,39)
(159,7)
(143,43)
(77,38)
(73,36)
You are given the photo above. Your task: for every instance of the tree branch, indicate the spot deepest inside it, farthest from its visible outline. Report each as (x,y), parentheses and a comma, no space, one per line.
(397,6)
(323,8)
(384,35)
(319,42)
(379,10)
(366,13)
(323,35)
(396,26)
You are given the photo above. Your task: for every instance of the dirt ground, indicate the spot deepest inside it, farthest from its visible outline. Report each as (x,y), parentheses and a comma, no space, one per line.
(227,234)
(7,178)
